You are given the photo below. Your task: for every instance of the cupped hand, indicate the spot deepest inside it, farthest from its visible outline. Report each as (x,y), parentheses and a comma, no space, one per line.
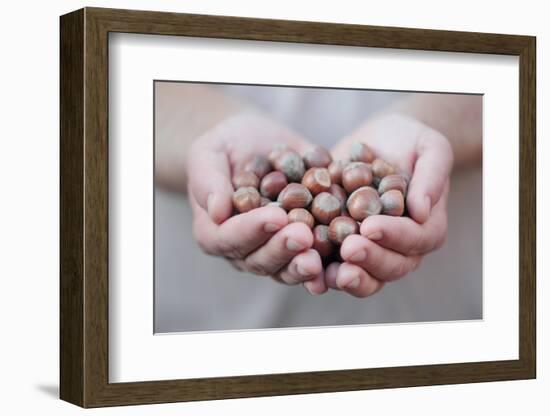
(260,241)
(388,248)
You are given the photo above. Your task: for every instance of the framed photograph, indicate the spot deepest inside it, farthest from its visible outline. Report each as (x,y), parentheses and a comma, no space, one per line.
(254,207)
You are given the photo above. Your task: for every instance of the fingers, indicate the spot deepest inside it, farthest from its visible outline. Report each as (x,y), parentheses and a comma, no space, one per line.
(404,235)
(397,233)
(280,249)
(330,275)
(356,281)
(431,171)
(381,263)
(239,235)
(210,182)
(304,267)
(317,285)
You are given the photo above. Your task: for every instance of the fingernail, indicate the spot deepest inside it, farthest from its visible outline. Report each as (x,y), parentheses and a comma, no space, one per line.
(301,271)
(358,257)
(294,245)
(271,227)
(353,283)
(309,289)
(374,235)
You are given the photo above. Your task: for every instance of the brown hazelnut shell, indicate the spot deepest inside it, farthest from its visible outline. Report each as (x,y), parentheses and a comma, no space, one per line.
(340,228)
(355,175)
(339,193)
(335,170)
(317,180)
(246,199)
(360,152)
(259,166)
(276,152)
(363,203)
(317,157)
(301,215)
(321,242)
(272,184)
(381,168)
(291,164)
(393,203)
(390,182)
(294,195)
(244,179)
(325,207)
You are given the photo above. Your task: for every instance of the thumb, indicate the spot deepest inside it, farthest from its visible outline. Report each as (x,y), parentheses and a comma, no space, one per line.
(431,171)
(210,183)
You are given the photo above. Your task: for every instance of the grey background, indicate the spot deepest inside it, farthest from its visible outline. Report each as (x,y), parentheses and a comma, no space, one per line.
(196,292)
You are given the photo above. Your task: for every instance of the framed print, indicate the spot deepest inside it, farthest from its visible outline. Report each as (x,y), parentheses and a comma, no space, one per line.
(254,207)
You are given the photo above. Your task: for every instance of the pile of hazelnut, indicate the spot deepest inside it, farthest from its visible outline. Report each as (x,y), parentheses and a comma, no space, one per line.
(330,197)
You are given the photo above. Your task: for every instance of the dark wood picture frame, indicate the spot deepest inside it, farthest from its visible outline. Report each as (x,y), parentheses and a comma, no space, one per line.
(84,207)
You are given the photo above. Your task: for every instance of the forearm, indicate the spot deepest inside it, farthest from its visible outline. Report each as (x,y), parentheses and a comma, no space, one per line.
(183,112)
(458,117)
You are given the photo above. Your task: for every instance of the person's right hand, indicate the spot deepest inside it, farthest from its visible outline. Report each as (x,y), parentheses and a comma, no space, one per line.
(260,241)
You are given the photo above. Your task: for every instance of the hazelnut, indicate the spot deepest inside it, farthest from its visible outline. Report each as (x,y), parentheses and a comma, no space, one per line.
(264,201)
(294,195)
(325,207)
(291,164)
(275,152)
(317,157)
(335,170)
(381,168)
(356,175)
(317,180)
(321,242)
(393,182)
(360,152)
(246,199)
(340,228)
(272,184)
(244,179)
(393,203)
(339,193)
(301,215)
(363,203)
(259,165)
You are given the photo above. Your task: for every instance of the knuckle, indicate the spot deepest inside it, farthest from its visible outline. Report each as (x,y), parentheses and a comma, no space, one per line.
(291,280)
(233,251)
(277,278)
(256,268)
(401,268)
(288,278)
(237,264)
(417,244)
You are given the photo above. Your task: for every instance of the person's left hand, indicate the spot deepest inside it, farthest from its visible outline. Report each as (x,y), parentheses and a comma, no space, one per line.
(390,247)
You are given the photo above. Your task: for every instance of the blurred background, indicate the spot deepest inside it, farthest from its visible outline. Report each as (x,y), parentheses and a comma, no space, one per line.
(196,292)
